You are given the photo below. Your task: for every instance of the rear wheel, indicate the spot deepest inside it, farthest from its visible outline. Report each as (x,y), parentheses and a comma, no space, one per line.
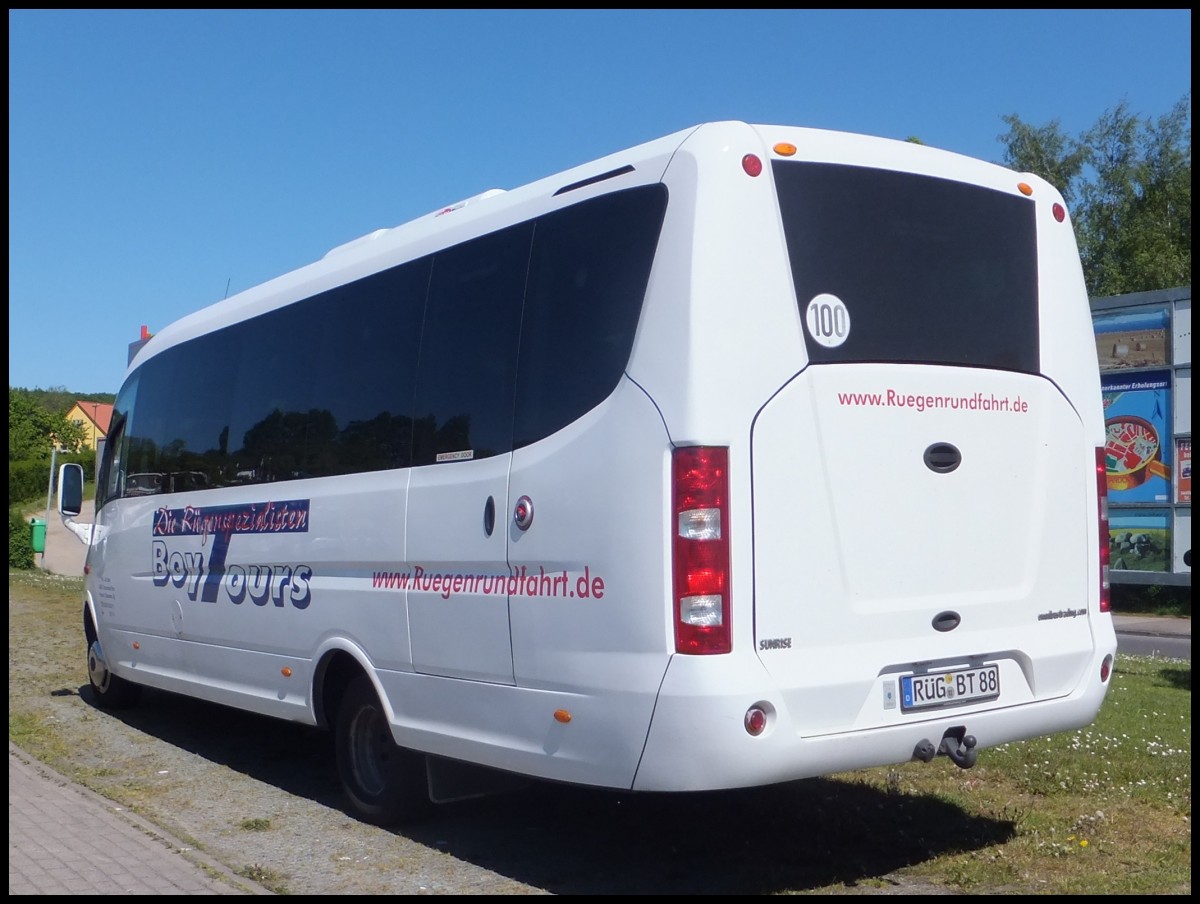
(385,783)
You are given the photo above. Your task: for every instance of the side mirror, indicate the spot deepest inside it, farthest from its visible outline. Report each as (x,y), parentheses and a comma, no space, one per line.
(70,489)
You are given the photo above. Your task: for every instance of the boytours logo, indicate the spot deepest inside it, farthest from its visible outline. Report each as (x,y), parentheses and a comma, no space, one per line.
(261,583)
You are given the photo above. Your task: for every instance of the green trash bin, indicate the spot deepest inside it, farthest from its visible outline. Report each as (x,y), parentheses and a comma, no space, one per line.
(37,528)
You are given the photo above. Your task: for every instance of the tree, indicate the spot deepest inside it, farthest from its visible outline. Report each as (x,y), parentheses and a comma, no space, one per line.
(32,429)
(59,399)
(1045,150)
(1129,182)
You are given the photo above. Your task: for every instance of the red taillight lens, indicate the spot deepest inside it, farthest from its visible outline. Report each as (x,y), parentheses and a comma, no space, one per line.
(700,476)
(1102,503)
(755,721)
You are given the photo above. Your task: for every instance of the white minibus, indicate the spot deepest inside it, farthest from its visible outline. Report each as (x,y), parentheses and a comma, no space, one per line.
(749,454)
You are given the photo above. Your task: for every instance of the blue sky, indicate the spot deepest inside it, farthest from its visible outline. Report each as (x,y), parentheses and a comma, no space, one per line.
(159,160)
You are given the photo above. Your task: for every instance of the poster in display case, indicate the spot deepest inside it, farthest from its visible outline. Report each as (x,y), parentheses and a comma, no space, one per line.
(1138,449)
(1132,338)
(1139,540)
(1144,351)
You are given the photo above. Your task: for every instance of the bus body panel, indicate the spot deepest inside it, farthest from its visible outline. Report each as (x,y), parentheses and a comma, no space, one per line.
(515,728)
(512,598)
(247,679)
(592,567)
(460,628)
(215,629)
(719,330)
(854,546)
(860,546)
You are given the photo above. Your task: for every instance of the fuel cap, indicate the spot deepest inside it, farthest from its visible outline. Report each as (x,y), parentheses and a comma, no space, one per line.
(523,513)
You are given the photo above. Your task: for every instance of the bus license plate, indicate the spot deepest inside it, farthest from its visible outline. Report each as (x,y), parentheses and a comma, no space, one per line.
(949,688)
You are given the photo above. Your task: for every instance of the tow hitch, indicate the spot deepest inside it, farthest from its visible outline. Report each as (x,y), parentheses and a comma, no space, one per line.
(956,744)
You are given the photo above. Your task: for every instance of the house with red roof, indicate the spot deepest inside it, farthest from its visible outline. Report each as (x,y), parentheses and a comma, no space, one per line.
(94,418)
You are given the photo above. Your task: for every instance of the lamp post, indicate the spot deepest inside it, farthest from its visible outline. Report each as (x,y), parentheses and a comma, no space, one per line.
(50,487)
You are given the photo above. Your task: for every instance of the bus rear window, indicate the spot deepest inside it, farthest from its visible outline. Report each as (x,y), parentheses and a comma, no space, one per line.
(929,270)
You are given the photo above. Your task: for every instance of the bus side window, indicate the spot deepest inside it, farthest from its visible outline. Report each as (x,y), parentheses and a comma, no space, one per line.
(587,280)
(467,365)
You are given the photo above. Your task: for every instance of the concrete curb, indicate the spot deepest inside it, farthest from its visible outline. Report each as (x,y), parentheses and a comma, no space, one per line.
(64,839)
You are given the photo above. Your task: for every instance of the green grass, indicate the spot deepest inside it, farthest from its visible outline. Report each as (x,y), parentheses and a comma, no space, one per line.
(1105,809)
(1101,810)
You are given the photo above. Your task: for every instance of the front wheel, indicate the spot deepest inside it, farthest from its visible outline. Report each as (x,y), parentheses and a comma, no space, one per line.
(385,783)
(108,690)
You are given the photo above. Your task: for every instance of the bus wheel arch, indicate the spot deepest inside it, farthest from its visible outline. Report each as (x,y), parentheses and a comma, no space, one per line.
(333,674)
(109,691)
(384,782)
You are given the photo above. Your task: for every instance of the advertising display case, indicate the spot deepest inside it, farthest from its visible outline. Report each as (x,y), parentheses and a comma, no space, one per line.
(1144,347)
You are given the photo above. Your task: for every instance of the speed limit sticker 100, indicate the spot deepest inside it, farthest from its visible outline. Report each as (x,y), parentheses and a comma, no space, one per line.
(828,320)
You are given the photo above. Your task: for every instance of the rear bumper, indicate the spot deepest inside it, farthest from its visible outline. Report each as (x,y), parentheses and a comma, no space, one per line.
(692,716)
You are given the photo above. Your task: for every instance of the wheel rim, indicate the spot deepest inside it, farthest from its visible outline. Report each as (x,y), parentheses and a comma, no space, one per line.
(370,750)
(98,672)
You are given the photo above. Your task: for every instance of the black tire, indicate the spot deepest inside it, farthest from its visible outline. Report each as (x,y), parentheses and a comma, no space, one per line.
(109,691)
(385,783)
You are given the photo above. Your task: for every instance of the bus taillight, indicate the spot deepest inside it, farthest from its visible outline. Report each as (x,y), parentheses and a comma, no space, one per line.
(1102,504)
(700,476)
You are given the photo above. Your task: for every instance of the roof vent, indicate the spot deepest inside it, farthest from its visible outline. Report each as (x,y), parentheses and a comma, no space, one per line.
(354,243)
(482,196)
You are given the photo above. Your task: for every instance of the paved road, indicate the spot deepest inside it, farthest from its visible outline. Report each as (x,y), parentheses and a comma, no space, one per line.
(65,552)
(1149,635)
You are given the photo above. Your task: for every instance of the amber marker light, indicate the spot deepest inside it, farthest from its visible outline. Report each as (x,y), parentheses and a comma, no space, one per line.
(136,645)
(1025,188)
(785,149)
(286,672)
(561,715)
